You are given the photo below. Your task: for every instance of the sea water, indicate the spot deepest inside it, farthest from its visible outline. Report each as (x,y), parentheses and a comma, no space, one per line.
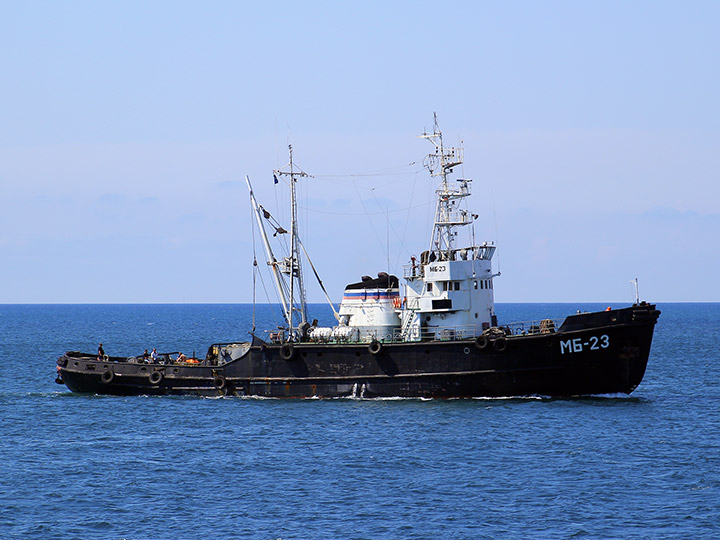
(97,467)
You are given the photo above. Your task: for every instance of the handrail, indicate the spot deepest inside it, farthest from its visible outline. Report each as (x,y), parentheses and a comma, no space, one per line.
(527,328)
(480,253)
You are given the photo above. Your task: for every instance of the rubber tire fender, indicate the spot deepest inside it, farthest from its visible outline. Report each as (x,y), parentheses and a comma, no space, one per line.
(219,382)
(107,376)
(481,342)
(155,377)
(375,347)
(287,351)
(500,344)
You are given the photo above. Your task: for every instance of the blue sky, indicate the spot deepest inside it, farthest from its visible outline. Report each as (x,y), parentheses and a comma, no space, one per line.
(591,131)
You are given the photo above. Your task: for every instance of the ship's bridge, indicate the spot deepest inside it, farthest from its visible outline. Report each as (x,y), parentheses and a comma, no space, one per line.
(482,252)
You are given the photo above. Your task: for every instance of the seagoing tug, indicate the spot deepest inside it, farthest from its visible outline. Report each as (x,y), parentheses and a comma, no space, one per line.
(436,337)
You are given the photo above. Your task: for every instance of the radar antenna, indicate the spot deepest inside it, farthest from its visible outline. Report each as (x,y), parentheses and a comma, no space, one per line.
(448,215)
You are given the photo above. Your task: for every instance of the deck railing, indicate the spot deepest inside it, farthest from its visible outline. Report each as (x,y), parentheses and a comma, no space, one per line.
(440,333)
(527,328)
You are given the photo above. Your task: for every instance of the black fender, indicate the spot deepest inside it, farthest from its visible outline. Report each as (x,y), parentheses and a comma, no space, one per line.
(287,351)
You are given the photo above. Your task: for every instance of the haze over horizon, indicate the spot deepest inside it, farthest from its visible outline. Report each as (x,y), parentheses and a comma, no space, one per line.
(591,133)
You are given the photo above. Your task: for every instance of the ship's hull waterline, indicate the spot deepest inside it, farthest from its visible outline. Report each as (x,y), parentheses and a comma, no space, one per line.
(595,353)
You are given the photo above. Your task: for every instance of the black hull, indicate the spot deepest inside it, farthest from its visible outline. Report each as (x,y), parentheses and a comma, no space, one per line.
(594,353)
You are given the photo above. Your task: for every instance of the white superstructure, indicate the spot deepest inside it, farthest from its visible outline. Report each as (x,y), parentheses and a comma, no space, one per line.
(449,292)
(368,312)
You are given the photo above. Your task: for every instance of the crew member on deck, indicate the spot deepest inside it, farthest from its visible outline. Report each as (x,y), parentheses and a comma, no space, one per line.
(153,356)
(101,352)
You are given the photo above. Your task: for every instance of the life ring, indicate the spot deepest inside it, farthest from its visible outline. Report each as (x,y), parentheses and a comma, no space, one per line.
(219,382)
(156,377)
(107,376)
(481,342)
(287,351)
(375,347)
(500,344)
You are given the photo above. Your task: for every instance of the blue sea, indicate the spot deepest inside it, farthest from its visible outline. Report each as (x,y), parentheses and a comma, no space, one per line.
(74,466)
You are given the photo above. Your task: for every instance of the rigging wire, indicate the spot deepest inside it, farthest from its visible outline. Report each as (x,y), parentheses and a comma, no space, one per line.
(383,212)
(497,239)
(267,295)
(379,172)
(407,218)
(342,182)
(255,265)
(391,228)
(367,214)
(387,228)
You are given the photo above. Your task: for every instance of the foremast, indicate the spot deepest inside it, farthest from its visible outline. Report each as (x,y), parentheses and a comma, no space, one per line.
(294,268)
(287,272)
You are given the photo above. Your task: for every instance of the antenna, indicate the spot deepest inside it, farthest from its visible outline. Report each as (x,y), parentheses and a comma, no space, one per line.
(637,291)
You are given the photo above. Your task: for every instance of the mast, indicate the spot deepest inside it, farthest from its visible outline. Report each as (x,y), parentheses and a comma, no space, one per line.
(447,214)
(294,267)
